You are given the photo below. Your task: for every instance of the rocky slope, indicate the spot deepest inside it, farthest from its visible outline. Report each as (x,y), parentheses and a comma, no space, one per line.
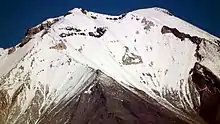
(145,66)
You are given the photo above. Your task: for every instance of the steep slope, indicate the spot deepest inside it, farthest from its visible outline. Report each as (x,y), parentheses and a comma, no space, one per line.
(168,60)
(105,101)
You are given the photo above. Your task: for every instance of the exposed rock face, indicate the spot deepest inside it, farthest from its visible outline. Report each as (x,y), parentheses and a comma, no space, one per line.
(165,30)
(130,58)
(116,18)
(194,39)
(45,25)
(94,17)
(208,85)
(97,33)
(100,31)
(32,31)
(84,11)
(164,11)
(147,24)
(10,51)
(59,46)
(24,41)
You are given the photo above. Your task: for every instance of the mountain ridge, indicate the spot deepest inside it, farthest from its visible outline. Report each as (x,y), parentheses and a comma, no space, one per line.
(57,57)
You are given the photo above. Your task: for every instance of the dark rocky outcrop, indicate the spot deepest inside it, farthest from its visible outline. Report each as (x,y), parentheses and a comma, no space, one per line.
(69,28)
(62,35)
(100,31)
(74,29)
(164,11)
(218,44)
(44,33)
(83,34)
(208,85)
(182,36)
(130,58)
(104,101)
(147,24)
(32,31)
(84,11)
(195,39)
(24,41)
(94,17)
(165,30)
(59,46)
(68,13)
(117,18)
(11,50)
(35,30)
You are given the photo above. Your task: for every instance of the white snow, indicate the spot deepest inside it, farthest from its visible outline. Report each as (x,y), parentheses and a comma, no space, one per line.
(59,74)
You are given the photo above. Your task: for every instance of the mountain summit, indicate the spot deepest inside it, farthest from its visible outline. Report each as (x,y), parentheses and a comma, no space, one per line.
(143,67)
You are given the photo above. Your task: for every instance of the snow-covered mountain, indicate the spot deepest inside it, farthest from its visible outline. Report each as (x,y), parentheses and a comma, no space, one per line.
(145,66)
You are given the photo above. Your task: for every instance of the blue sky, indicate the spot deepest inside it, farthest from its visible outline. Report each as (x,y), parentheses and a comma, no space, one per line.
(19,15)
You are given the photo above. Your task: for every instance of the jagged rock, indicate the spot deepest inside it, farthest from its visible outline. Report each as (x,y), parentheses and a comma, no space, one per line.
(147,24)
(83,34)
(91,34)
(218,42)
(208,85)
(32,31)
(62,35)
(69,28)
(10,51)
(164,11)
(44,33)
(77,30)
(122,16)
(165,30)
(100,31)
(130,58)
(59,46)
(94,17)
(24,41)
(117,18)
(68,13)
(194,39)
(84,11)
(178,34)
